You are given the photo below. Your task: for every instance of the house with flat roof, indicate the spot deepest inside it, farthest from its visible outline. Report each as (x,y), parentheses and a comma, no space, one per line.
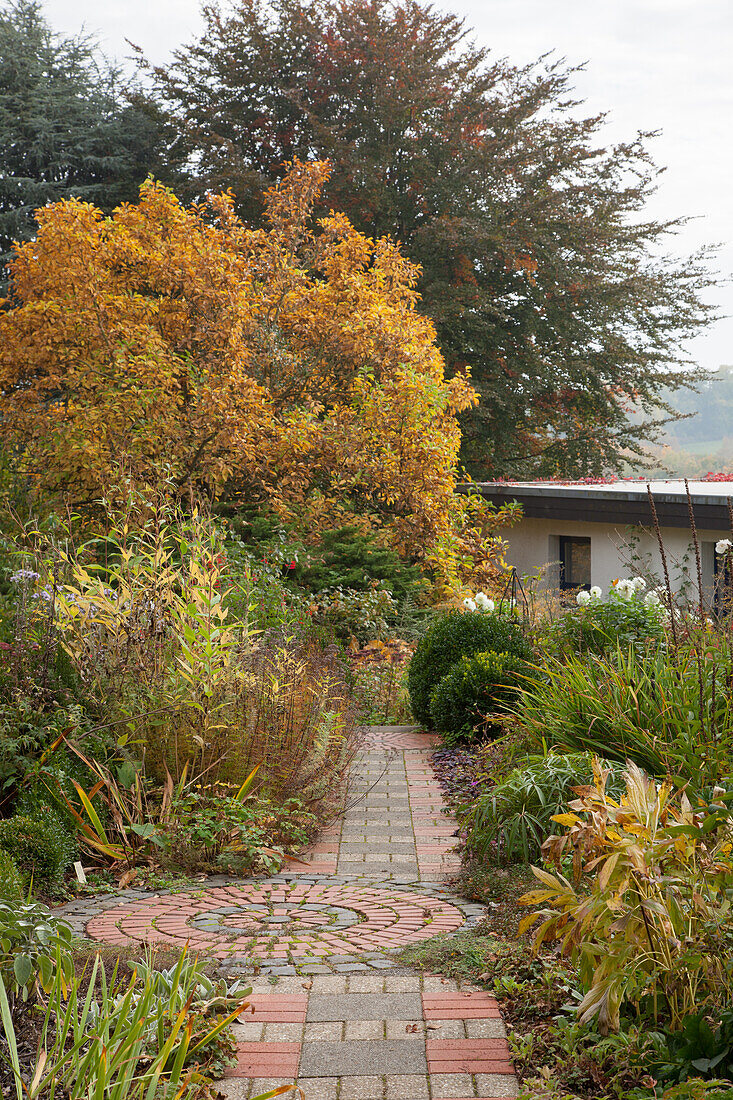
(577,534)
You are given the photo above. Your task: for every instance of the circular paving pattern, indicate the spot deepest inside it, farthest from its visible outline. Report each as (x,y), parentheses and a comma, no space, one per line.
(279,919)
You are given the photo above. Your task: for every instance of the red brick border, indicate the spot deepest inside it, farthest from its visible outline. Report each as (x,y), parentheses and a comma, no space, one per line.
(460,1006)
(468,1056)
(266,1060)
(266,1008)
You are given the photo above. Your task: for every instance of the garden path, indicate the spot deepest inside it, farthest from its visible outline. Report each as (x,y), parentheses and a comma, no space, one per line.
(332,1006)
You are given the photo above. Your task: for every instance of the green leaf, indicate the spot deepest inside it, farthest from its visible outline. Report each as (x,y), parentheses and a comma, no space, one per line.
(126,774)
(23,969)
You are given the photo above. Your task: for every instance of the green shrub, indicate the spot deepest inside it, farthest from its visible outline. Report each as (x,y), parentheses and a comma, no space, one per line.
(356,585)
(58,821)
(509,822)
(11,883)
(477,686)
(259,595)
(347,558)
(349,585)
(695,1088)
(40,848)
(349,613)
(26,731)
(450,637)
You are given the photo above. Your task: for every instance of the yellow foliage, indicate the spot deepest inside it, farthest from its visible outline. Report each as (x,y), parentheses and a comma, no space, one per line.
(649,913)
(286,364)
(208,698)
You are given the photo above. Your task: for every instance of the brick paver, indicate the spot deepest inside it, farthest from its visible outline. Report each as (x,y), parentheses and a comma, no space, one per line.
(330,1004)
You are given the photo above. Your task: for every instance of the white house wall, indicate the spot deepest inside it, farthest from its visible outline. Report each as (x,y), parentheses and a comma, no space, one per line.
(615,551)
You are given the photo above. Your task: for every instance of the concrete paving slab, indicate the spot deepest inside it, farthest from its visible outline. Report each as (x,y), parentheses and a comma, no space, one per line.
(360,1058)
(364,1006)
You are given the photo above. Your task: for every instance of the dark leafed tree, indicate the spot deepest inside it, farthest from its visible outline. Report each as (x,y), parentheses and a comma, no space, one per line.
(65,128)
(541,270)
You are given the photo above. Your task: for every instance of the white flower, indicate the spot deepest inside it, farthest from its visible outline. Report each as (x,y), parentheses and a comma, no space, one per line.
(469,605)
(596,592)
(624,588)
(483,602)
(652,600)
(639,584)
(583,598)
(723,546)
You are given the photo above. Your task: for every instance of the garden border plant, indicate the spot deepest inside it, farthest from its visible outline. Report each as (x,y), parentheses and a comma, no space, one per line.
(456,634)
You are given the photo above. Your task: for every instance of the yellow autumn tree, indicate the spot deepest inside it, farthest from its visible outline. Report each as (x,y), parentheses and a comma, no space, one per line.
(286,364)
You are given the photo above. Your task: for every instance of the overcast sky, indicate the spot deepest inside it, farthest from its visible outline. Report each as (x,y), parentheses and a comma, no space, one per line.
(651,64)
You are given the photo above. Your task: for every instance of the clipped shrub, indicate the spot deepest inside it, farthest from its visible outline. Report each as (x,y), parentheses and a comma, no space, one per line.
(450,637)
(11,882)
(39,848)
(477,686)
(508,823)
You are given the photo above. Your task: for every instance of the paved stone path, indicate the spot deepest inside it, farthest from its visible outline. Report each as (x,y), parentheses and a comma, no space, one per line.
(331,1005)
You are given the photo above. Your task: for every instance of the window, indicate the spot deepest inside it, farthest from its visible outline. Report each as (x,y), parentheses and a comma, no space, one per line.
(574,563)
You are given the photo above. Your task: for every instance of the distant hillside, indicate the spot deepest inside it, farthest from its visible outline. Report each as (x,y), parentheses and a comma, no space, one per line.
(703,441)
(711,409)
